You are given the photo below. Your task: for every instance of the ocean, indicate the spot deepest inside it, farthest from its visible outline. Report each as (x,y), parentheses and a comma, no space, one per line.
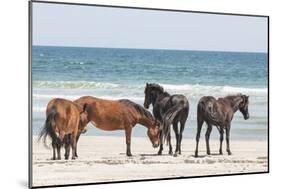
(112,73)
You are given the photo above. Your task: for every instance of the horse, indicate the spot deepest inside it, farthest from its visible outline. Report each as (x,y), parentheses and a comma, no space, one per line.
(65,121)
(168,109)
(219,113)
(123,114)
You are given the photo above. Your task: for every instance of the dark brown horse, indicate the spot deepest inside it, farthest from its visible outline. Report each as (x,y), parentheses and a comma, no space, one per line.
(169,110)
(219,113)
(65,121)
(110,115)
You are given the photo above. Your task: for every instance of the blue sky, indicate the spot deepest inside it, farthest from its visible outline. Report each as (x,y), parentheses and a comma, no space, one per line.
(68,25)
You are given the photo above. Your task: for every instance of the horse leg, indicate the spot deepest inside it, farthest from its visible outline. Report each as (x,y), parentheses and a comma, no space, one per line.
(207,137)
(175,127)
(73,145)
(161,144)
(128,132)
(77,138)
(180,135)
(170,144)
(227,139)
(59,143)
(221,139)
(54,149)
(67,147)
(200,122)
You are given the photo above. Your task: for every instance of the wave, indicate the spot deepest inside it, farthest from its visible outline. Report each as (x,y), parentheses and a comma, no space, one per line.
(213,90)
(73,97)
(73,84)
(38,109)
(184,87)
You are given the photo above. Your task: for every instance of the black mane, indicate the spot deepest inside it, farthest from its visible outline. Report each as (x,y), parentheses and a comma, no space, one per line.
(155,86)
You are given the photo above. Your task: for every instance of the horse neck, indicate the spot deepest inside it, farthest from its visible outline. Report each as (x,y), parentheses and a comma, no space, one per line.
(235,103)
(145,121)
(159,96)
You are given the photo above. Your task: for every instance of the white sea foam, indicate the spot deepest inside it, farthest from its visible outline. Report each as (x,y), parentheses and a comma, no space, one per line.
(73,84)
(50,96)
(135,93)
(39,109)
(214,90)
(47,97)
(186,88)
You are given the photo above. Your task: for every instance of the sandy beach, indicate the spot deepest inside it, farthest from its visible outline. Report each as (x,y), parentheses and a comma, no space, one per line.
(102,159)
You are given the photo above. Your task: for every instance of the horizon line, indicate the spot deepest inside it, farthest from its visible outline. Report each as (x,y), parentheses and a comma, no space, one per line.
(73,46)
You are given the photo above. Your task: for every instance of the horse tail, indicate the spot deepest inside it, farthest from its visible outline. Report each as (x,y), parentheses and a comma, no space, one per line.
(200,113)
(47,130)
(200,108)
(169,117)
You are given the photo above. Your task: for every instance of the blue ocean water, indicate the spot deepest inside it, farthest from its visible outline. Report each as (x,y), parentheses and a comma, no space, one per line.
(71,72)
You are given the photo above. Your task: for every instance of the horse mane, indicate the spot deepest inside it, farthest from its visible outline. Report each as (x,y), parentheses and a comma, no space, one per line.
(137,107)
(233,96)
(233,100)
(159,88)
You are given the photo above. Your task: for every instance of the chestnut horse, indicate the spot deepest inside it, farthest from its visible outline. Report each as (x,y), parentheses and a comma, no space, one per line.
(65,121)
(219,112)
(110,115)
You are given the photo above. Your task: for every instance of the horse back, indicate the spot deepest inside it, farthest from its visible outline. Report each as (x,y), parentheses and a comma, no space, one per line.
(106,114)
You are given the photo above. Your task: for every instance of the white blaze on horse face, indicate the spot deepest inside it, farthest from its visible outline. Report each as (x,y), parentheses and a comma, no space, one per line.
(57,134)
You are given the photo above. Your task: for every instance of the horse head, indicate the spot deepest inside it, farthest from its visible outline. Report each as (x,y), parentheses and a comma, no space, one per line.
(154,134)
(243,106)
(151,90)
(83,119)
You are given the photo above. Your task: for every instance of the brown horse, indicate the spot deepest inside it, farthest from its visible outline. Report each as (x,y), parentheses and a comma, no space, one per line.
(110,115)
(65,121)
(219,113)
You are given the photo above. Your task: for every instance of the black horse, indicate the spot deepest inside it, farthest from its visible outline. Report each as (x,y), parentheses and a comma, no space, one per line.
(168,109)
(219,113)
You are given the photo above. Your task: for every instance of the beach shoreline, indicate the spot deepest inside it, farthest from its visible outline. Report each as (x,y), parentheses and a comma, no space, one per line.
(103,159)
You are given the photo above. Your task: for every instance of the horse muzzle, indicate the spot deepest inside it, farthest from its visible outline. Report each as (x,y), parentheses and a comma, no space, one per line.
(155,145)
(247,116)
(145,106)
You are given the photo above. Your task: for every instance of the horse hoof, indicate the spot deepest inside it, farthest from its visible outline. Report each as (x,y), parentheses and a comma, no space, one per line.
(129,155)
(73,158)
(229,153)
(175,154)
(208,153)
(159,153)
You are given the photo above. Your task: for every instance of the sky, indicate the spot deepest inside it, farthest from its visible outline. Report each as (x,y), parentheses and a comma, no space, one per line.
(88,26)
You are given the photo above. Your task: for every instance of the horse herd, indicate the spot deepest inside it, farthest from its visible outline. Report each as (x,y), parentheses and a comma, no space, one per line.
(66,120)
